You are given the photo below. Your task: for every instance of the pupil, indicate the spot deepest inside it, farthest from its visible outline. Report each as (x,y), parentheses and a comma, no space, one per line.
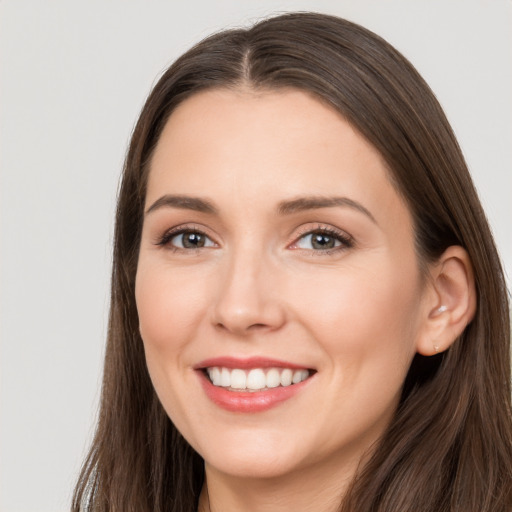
(320,241)
(193,240)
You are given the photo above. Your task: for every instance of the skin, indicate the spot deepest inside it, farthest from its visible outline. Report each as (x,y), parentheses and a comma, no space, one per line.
(357,315)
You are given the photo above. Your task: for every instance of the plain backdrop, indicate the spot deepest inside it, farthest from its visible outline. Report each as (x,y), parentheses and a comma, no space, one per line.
(74,76)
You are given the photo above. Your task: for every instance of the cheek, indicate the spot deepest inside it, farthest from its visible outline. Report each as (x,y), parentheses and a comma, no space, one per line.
(366,323)
(169,314)
(168,307)
(367,314)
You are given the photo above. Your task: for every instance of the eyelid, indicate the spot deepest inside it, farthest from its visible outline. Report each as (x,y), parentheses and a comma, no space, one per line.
(347,241)
(164,239)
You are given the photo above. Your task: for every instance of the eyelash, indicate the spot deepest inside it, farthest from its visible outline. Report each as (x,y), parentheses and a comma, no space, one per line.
(166,238)
(346,241)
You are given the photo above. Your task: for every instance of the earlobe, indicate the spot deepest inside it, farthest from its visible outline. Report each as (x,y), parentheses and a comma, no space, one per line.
(451,303)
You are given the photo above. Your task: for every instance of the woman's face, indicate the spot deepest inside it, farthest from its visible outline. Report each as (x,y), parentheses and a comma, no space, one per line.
(278,260)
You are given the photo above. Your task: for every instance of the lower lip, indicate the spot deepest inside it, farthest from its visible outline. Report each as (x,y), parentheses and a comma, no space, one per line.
(249,401)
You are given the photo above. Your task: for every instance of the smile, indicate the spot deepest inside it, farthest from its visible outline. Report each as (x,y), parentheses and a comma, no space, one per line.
(256,379)
(252,385)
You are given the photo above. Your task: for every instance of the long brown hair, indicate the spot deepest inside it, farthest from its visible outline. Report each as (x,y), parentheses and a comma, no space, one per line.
(449,447)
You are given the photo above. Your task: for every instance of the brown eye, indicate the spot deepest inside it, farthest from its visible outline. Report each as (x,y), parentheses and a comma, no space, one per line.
(191,240)
(320,241)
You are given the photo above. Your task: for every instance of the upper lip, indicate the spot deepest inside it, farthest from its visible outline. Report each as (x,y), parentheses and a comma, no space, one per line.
(246,363)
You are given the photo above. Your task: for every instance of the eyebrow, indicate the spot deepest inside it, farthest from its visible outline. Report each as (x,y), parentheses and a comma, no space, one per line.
(316,202)
(183,202)
(284,207)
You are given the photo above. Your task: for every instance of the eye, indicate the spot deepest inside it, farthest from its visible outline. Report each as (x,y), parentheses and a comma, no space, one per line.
(186,239)
(191,240)
(323,240)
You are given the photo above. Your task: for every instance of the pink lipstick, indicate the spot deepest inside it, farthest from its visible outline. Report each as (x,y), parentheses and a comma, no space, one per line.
(251,384)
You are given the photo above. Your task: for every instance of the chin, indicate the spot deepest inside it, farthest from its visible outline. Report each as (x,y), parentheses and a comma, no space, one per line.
(254,465)
(252,456)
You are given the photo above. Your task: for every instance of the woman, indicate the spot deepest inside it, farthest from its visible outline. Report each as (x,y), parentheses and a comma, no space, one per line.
(308,311)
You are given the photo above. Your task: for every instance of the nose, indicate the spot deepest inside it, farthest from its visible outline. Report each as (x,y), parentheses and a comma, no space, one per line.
(248,298)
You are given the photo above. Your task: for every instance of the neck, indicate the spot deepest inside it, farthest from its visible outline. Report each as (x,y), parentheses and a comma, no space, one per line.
(307,490)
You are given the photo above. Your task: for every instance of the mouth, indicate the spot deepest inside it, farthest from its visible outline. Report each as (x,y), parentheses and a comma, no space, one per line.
(255,379)
(251,385)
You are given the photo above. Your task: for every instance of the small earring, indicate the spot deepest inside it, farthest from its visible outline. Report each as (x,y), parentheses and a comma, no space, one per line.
(442,309)
(436,348)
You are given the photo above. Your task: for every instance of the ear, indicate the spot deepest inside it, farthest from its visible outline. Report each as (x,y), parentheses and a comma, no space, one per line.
(450,301)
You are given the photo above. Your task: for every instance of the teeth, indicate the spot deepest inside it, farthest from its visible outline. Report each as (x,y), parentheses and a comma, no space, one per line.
(286,377)
(256,378)
(299,376)
(225,378)
(238,379)
(215,376)
(273,378)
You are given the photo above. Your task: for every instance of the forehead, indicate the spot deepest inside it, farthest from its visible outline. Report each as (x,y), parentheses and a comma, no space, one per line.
(257,147)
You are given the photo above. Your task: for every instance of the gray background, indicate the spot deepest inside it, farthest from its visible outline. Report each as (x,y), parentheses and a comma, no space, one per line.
(74,76)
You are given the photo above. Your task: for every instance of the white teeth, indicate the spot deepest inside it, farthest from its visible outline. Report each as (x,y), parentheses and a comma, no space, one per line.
(238,379)
(225,378)
(286,377)
(215,376)
(256,378)
(297,376)
(273,378)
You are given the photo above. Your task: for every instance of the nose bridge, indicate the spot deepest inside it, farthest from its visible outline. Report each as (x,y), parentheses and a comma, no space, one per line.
(246,298)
